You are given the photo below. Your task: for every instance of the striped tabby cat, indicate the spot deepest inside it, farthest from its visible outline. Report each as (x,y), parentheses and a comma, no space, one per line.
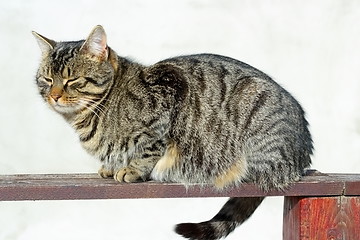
(203,118)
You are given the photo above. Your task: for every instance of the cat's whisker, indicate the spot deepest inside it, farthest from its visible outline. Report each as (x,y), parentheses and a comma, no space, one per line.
(85,104)
(97,107)
(93,105)
(100,105)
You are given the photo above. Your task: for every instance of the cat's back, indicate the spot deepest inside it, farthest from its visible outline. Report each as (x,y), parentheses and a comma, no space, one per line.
(212,65)
(214,78)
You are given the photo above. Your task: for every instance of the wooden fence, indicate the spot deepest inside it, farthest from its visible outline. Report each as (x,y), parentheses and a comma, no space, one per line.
(319,207)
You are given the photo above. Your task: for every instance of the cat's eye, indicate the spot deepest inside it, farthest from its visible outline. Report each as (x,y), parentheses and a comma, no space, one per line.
(48,80)
(68,82)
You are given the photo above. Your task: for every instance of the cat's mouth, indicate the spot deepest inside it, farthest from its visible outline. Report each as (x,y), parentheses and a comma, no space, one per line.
(65,107)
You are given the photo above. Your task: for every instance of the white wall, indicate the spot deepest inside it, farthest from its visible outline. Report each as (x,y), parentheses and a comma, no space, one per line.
(310,47)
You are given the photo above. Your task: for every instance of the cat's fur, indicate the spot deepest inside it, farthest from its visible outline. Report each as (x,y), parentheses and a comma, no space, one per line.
(203,118)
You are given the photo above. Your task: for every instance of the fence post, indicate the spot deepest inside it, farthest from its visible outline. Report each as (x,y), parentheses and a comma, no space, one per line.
(321,218)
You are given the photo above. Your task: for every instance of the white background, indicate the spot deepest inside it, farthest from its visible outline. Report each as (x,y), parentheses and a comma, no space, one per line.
(309,47)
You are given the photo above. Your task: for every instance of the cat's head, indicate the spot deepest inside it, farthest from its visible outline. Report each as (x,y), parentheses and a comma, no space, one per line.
(74,76)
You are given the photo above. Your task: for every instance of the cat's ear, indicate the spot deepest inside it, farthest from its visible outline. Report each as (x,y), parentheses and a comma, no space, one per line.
(45,44)
(96,45)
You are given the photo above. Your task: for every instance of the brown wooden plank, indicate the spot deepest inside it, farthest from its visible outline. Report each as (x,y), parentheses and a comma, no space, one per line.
(350,214)
(90,186)
(352,188)
(291,218)
(321,218)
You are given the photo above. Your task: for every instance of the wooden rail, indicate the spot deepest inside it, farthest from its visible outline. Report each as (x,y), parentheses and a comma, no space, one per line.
(319,207)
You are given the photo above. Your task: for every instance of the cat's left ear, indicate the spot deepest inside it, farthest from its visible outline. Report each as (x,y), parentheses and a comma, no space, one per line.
(96,45)
(45,44)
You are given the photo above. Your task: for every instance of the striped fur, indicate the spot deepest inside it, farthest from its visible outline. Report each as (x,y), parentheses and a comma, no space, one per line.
(204,118)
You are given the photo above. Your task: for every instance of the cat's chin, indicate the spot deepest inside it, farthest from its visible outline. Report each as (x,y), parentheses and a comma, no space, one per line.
(66,109)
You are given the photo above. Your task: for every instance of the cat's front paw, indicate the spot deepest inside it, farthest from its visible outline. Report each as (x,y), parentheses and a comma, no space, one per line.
(128,174)
(105,173)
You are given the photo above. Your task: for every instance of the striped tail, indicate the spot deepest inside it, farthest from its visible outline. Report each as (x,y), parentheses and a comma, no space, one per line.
(233,213)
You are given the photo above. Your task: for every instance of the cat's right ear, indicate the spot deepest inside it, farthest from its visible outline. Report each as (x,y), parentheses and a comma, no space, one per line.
(45,44)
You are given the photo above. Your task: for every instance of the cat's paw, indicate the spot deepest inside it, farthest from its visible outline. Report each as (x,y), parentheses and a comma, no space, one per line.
(127,174)
(105,173)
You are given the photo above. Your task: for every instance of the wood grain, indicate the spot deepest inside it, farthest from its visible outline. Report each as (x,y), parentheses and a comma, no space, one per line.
(90,186)
(321,218)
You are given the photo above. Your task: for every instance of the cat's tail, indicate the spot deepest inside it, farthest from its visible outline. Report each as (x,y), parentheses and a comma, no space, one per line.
(233,213)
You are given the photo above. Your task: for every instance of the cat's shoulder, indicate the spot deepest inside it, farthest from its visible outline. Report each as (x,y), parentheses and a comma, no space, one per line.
(204,61)
(197,59)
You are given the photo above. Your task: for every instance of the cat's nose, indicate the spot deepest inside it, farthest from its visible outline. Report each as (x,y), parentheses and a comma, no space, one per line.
(55,96)
(56,93)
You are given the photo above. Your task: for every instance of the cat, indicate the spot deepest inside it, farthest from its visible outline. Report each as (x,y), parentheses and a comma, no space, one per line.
(204,118)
